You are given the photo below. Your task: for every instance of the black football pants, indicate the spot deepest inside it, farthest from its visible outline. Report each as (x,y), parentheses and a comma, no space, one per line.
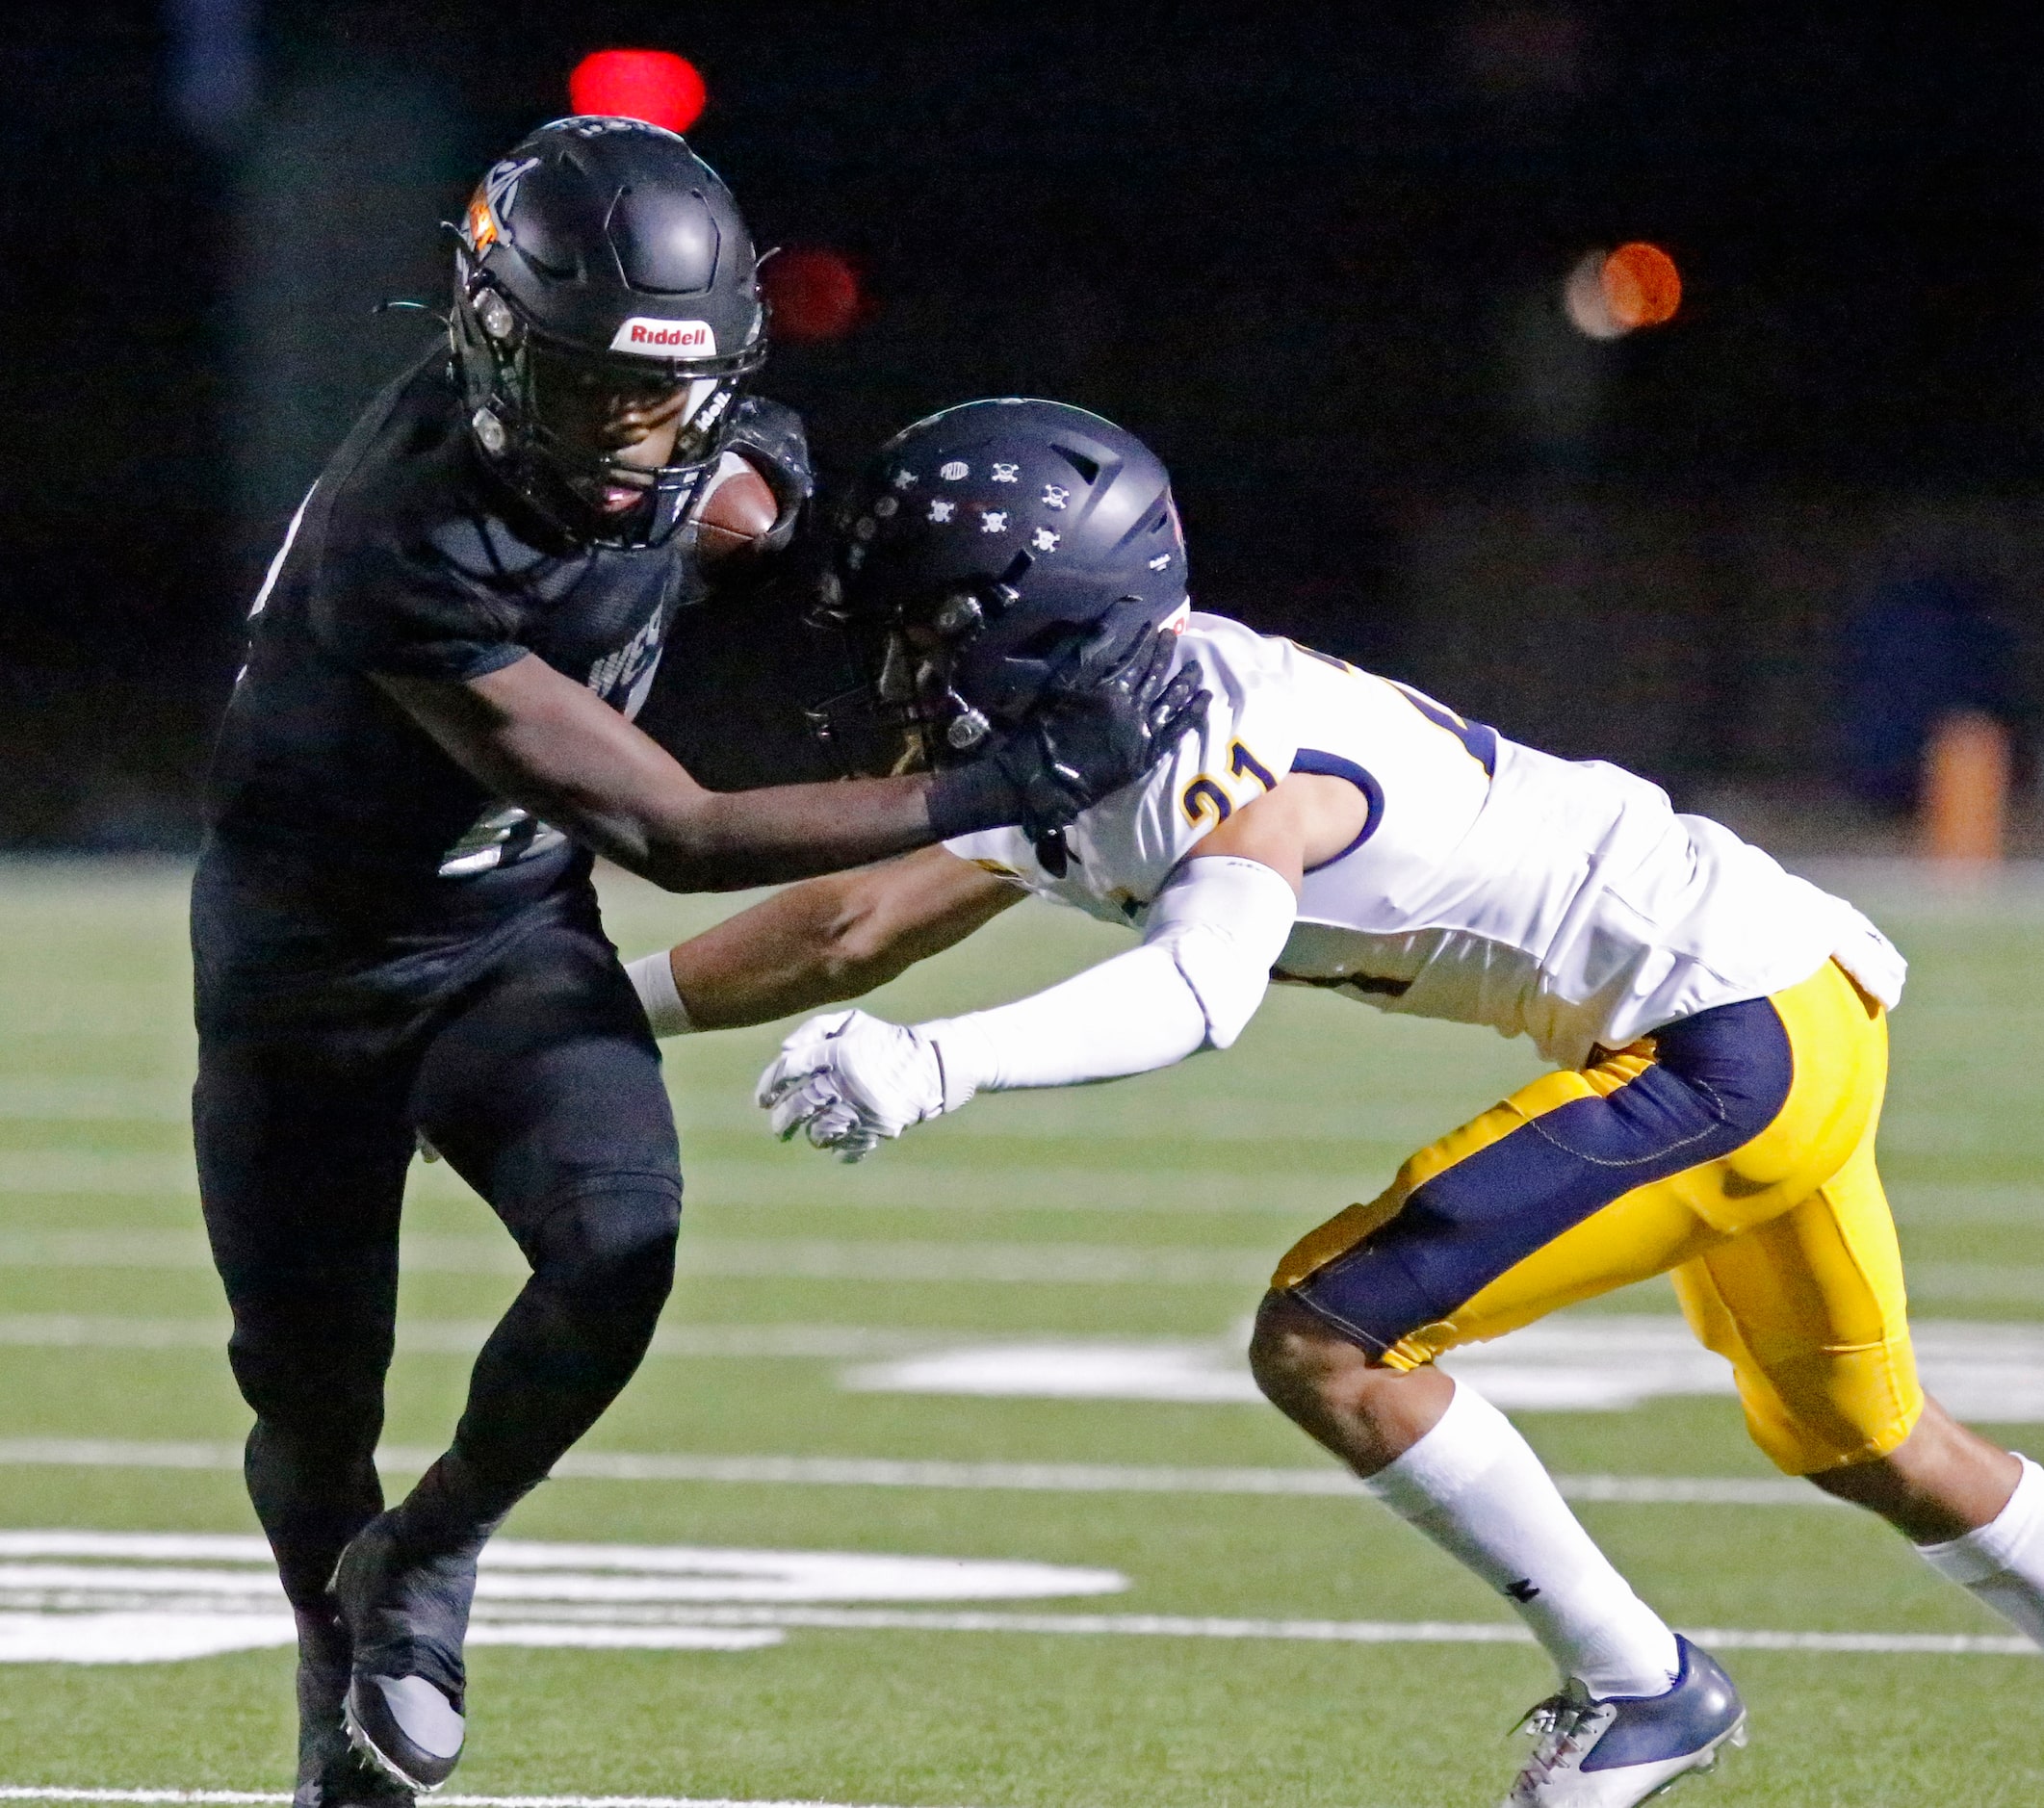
(539,1083)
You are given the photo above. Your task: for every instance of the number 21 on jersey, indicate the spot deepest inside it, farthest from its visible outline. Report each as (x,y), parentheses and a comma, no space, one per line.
(1205,796)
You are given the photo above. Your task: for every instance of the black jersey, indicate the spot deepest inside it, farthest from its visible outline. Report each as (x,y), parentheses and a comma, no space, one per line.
(408,559)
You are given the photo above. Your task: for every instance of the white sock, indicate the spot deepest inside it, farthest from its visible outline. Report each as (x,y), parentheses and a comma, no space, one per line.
(2002,1562)
(651,977)
(1474,1487)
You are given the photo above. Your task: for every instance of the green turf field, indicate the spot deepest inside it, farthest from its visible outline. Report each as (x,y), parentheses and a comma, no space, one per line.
(1237,1665)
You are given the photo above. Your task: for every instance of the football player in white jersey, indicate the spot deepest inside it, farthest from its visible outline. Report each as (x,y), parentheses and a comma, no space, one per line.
(1717,1028)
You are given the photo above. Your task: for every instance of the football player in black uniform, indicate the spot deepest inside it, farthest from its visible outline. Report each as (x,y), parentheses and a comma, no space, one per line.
(394,929)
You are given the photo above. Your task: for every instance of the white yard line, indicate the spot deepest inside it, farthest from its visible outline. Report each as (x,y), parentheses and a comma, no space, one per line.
(1366,1632)
(735,1181)
(1573,1362)
(730,1179)
(1034,1478)
(830,1343)
(1333,1631)
(820,1258)
(232,1797)
(750,1259)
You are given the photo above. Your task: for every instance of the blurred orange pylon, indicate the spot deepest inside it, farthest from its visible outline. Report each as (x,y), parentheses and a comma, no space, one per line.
(1966,764)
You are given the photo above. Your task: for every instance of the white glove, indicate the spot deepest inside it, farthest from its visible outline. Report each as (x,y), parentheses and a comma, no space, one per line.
(847,1079)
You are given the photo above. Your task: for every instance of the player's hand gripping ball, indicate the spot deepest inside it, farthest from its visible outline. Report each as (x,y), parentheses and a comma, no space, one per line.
(846,1081)
(738,512)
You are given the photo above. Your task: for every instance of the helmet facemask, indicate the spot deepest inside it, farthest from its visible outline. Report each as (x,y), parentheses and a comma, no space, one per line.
(933,691)
(532,402)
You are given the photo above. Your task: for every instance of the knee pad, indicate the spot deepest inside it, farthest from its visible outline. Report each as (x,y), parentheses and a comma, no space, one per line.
(1831,1409)
(617,1237)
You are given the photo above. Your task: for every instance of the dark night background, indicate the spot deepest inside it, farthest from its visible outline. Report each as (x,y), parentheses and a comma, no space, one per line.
(1314,254)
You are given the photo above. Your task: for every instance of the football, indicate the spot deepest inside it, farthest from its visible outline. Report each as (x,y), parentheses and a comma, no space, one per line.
(737,510)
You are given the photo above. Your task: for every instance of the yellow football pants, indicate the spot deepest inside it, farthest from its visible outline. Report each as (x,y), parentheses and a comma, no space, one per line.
(1782,1251)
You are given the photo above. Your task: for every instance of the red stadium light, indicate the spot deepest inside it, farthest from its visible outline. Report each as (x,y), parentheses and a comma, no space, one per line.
(654,85)
(813,294)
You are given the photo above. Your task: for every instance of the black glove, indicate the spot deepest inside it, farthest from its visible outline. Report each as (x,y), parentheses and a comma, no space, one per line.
(1102,722)
(773,443)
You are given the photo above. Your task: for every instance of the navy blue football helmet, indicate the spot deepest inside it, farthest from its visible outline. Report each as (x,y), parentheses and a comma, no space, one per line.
(981,547)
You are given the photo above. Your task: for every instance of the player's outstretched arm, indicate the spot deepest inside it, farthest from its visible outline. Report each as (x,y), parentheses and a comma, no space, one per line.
(1211,937)
(540,739)
(820,942)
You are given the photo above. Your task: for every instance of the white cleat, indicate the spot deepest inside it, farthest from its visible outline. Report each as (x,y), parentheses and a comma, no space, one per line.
(1614,1753)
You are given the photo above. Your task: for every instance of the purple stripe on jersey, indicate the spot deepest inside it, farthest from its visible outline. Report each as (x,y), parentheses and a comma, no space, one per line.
(1329,766)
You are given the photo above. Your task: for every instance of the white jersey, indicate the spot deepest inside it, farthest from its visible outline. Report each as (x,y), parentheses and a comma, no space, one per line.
(1561,900)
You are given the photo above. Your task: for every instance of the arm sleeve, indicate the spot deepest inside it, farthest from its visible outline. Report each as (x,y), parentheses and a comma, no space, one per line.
(1005,853)
(1208,949)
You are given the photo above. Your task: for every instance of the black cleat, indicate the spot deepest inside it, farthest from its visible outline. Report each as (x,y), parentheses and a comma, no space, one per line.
(407,1617)
(341,1777)
(331,1773)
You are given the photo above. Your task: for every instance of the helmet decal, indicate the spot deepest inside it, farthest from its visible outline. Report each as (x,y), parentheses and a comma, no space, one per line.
(1049,527)
(493,200)
(604,125)
(644,337)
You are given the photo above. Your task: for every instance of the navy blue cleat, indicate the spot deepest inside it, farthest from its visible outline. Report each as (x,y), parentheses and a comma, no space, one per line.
(1614,1753)
(407,1618)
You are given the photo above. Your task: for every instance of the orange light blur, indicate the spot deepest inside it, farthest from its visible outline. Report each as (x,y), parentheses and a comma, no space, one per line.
(1641,286)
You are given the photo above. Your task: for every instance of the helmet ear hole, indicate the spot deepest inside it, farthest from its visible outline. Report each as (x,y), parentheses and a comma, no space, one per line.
(1087,467)
(1050,638)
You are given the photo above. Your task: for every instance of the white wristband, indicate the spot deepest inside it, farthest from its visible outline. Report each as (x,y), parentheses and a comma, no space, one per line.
(651,977)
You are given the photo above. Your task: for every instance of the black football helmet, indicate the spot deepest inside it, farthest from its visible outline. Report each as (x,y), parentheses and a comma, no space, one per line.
(601,252)
(978,549)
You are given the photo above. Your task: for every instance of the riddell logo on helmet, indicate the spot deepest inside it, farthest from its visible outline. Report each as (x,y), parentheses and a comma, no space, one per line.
(665,339)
